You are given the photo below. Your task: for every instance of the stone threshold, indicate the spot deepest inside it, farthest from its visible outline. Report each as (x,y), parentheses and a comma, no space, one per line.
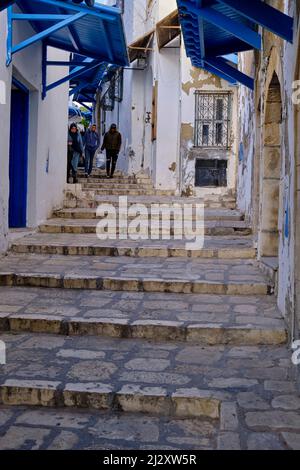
(189,332)
(133,284)
(130,398)
(136,375)
(90,249)
(209,215)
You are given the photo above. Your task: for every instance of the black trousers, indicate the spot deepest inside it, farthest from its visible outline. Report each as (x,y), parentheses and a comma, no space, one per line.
(70,167)
(111,161)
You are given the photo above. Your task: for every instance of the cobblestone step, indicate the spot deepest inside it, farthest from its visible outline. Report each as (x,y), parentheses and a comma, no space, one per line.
(89,245)
(162,378)
(92,201)
(127,192)
(101,190)
(35,428)
(97,173)
(59,225)
(112,184)
(118,186)
(178,275)
(217,215)
(202,319)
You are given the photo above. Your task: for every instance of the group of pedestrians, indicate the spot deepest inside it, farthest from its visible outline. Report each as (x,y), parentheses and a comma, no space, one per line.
(85,146)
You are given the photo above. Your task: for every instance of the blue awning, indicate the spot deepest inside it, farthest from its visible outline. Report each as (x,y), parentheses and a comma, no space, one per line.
(84,87)
(92,32)
(74,112)
(214,29)
(96,34)
(88,83)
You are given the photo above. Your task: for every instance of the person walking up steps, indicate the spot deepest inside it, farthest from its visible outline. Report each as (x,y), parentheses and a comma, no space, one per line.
(75,150)
(92,142)
(112,144)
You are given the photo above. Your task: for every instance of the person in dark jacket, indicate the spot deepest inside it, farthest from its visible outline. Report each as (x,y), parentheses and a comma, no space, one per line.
(112,144)
(75,151)
(92,142)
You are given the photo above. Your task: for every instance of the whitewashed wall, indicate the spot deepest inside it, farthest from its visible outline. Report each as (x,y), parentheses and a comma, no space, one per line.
(47,129)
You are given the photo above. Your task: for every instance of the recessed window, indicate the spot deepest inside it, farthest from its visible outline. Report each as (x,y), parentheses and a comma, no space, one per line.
(211,173)
(212,119)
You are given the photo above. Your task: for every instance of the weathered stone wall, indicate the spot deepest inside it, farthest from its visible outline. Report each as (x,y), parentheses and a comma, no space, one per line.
(193,80)
(266,181)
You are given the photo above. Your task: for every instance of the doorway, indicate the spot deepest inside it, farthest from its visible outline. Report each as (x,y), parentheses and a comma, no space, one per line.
(18,156)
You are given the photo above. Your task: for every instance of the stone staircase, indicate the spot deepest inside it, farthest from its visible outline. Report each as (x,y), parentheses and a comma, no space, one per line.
(89,193)
(146,326)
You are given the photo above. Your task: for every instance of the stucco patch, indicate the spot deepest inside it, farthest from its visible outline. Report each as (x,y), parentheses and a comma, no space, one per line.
(187,131)
(197,82)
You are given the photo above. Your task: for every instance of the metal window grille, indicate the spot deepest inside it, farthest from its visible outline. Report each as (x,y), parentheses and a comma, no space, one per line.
(107,102)
(212,119)
(116,86)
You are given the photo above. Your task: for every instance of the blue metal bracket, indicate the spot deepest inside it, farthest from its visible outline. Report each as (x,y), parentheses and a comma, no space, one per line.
(264,15)
(241,31)
(86,106)
(223,66)
(214,30)
(209,68)
(77,70)
(61,21)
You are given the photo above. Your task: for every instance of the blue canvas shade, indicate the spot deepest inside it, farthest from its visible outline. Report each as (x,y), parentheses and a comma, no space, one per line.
(74,112)
(84,88)
(213,30)
(94,33)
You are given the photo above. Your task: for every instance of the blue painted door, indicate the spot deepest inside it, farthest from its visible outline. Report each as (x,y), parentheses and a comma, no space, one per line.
(18,159)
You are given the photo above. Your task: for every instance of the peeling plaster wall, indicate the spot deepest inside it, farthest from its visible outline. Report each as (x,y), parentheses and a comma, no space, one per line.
(246,141)
(280,57)
(193,79)
(48,121)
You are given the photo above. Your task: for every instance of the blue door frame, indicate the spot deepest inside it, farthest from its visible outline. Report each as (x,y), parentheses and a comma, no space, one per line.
(18,155)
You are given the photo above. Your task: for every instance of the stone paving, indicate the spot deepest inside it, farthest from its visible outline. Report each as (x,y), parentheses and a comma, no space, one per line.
(248,392)
(64,429)
(92,200)
(240,277)
(226,227)
(209,214)
(87,244)
(142,344)
(198,318)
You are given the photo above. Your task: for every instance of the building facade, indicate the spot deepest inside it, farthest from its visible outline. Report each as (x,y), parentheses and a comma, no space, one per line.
(268,174)
(178,122)
(33,135)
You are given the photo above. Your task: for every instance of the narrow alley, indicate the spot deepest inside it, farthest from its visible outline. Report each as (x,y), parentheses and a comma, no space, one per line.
(156,307)
(150,328)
